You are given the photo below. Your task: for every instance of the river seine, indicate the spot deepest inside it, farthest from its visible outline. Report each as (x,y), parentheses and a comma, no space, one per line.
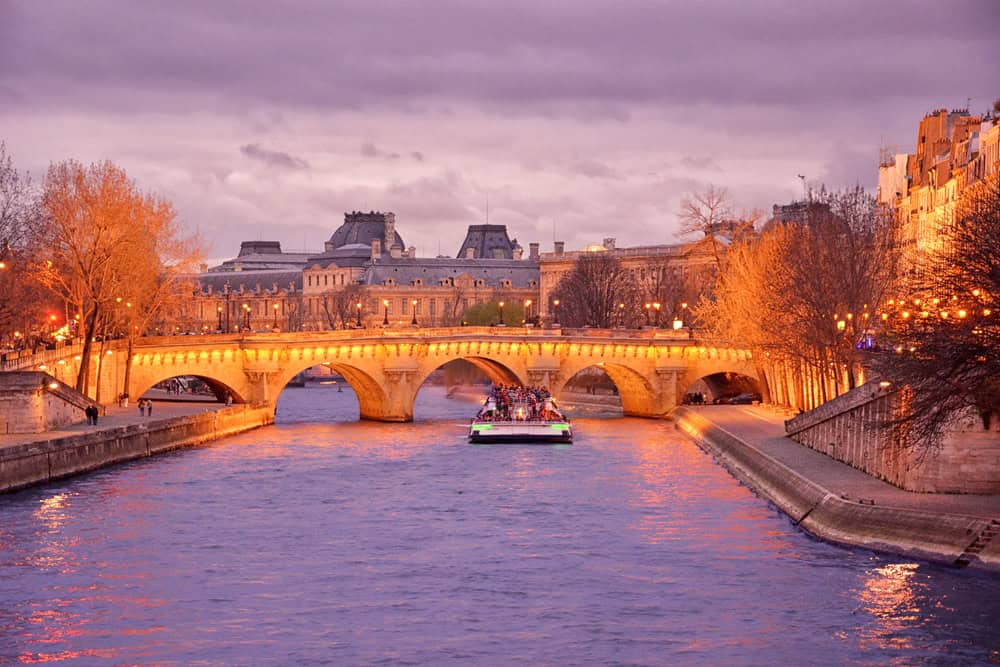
(327,540)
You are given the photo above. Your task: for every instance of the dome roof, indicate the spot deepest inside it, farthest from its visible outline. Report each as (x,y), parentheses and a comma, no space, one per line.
(363,228)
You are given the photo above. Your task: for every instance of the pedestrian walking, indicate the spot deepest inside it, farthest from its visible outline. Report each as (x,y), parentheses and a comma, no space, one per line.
(96,412)
(149,407)
(89,412)
(142,407)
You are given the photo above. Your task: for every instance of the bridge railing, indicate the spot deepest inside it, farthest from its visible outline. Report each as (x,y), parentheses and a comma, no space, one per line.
(15,361)
(645,336)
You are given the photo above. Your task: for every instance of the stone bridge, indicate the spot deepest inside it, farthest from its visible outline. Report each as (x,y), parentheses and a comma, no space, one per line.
(652,368)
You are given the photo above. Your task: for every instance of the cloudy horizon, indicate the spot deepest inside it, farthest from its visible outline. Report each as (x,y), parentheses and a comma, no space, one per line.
(576,121)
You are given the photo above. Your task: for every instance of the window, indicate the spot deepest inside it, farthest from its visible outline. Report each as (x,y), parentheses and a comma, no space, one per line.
(326,280)
(433,307)
(402,308)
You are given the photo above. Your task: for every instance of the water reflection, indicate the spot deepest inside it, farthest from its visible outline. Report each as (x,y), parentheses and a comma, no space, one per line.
(328,539)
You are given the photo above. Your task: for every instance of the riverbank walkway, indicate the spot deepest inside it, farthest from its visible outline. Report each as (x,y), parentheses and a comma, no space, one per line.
(763,428)
(115,418)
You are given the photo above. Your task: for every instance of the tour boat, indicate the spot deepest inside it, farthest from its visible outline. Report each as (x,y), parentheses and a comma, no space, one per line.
(551,426)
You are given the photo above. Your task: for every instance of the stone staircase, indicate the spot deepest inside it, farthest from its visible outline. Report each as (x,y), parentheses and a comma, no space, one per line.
(984,537)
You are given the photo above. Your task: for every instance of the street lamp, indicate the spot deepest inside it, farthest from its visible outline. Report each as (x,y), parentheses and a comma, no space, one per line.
(246,307)
(555,312)
(276,308)
(621,315)
(358,304)
(656,306)
(648,306)
(414,320)
(219,328)
(385,318)
(501,313)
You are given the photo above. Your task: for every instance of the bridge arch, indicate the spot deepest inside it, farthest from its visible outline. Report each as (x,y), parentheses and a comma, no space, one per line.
(496,371)
(220,385)
(373,400)
(639,397)
(721,384)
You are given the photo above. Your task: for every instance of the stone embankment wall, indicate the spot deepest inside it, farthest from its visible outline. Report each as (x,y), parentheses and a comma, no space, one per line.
(852,428)
(35,402)
(927,535)
(33,463)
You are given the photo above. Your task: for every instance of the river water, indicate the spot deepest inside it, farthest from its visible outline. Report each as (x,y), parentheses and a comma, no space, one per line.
(326,540)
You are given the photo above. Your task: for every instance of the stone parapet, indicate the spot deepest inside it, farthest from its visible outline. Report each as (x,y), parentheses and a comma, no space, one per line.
(935,536)
(45,460)
(859,428)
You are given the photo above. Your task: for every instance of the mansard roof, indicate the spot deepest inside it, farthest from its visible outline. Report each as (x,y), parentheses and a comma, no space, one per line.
(431,271)
(488,242)
(269,282)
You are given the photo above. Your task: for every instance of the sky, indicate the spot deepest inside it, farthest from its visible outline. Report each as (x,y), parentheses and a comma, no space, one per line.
(565,120)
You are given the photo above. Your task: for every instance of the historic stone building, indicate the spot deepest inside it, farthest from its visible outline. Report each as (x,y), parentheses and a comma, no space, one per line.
(653,270)
(954,151)
(364,274)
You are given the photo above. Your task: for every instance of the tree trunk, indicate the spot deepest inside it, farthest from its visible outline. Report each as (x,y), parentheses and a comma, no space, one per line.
(128,366)
(83,376)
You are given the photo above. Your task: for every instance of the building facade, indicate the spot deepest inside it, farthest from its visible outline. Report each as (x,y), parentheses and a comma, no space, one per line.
(954,151)
(363,277)
(670,273)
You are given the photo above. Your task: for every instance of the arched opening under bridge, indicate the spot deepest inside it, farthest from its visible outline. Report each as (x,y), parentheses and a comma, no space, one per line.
(722,388)
(189,389)
(591,392)
(457,388)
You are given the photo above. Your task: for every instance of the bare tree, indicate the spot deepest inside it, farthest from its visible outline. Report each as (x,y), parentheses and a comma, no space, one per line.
(809,291)
(592,292)
(944,336)
(705,212)
(340,306)
(21,303)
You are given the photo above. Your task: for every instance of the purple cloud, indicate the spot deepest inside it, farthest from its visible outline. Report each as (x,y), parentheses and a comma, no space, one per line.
(273,158)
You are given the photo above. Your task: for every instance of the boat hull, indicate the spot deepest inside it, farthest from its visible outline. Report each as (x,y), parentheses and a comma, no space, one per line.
(516,432)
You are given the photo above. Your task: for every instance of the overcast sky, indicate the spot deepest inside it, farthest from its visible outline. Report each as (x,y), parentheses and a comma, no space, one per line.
(586,119)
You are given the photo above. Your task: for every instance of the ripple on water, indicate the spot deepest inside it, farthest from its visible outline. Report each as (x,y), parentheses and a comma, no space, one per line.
(324,538)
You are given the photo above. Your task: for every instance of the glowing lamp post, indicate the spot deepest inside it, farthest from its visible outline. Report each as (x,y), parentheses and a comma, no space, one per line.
(621,315)
(358,304)
(527,310)
(414,320)
(276,307)
(656,307)
(555,312)
(500,306)
(246,317)
(648,307)
(385,317)
(219,311)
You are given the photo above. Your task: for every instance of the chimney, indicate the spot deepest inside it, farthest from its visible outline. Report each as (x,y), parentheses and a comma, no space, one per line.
(609,243)
(376,248)
(559,246)
(390,229)
(518,252)
(470,253)
(411,251)
(532,251)
(395,251)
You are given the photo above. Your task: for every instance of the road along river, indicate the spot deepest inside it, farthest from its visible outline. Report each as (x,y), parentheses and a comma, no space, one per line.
(327,539)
